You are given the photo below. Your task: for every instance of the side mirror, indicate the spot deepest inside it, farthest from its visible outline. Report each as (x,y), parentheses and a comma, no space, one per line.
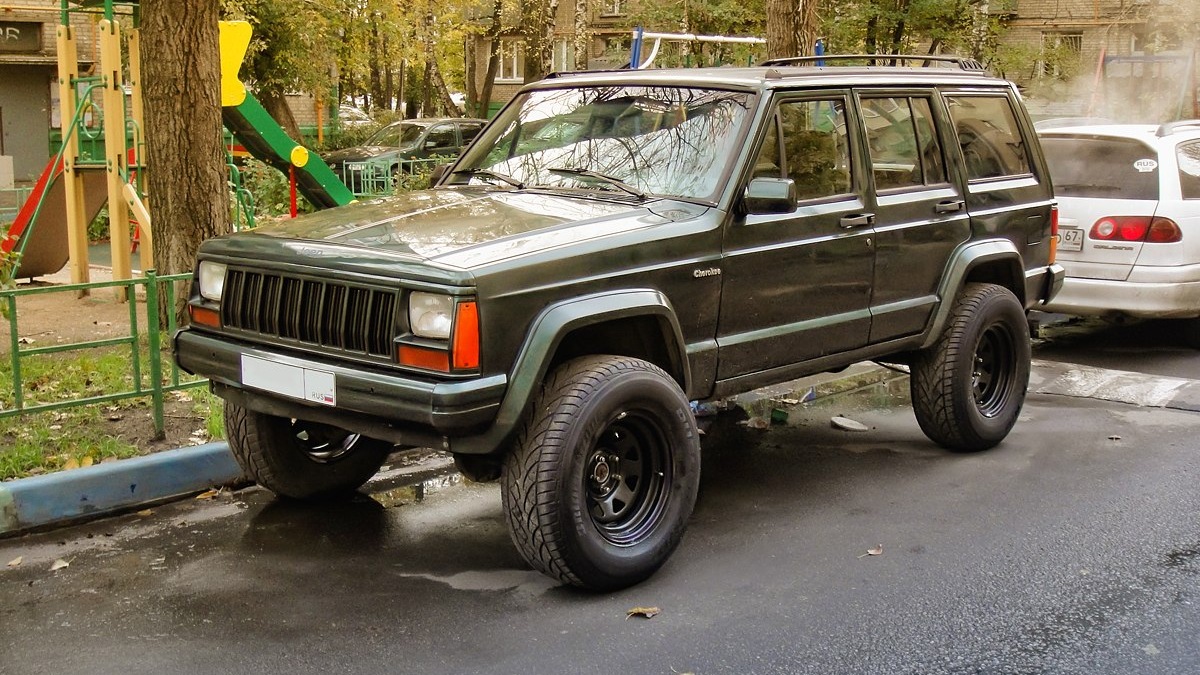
(438,171)
(770,195)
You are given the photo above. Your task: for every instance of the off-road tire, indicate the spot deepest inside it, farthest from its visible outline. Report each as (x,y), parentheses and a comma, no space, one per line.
(269,451)
(603,476)
(968,388)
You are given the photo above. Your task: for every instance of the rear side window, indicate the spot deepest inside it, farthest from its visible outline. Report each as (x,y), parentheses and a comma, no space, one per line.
(988,134)
(904,150)
(1093,166)
(1188,155)
(469,131)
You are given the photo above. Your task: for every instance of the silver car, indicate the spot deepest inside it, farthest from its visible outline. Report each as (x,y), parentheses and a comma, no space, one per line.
(1129,220)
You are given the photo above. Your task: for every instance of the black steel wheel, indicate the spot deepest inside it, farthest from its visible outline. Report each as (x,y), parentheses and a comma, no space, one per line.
(604,473)
(299,459)
(626,477)
(968,387)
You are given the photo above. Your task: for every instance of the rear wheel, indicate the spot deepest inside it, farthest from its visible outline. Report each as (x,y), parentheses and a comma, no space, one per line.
(968,388)
(604,475)
(298,459)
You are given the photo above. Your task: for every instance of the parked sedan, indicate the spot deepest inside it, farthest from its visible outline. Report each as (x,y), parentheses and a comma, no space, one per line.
(1129,220)
(401,147)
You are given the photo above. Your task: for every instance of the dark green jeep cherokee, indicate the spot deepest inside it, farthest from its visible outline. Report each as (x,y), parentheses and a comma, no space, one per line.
(615,245)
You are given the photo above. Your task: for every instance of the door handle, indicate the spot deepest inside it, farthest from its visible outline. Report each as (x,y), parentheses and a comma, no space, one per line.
(948,206)
(857,220)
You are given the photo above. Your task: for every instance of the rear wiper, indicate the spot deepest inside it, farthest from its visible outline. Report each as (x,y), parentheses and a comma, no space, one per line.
(488,173)
(613,181)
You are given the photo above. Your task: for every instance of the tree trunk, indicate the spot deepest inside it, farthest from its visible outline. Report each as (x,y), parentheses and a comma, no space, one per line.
(427,82)
(181,72)
(537,28)
(493,65)
(377,57)
(583,38)
(782,28)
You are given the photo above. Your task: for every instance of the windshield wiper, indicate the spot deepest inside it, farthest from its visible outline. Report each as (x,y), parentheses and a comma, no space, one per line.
(613,181)
(488,173)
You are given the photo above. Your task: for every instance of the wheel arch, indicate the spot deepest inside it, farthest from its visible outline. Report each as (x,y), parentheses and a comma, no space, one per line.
(639,323)
(994,262)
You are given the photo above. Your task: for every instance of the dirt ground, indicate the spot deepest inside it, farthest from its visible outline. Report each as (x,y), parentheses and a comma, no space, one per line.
(57,318)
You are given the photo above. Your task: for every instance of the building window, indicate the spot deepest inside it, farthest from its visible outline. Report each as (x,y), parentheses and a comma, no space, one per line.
(564,55)
(612,8)
(512,60)
(1061,54)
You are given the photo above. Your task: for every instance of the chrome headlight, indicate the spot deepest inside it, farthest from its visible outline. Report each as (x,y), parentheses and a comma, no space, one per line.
(430,315)
(212,280)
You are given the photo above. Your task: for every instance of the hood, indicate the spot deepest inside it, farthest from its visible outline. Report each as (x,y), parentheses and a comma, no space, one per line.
(466,228)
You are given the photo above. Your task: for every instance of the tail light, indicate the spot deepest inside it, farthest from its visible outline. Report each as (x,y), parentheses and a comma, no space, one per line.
(1152,230)
(1053,233)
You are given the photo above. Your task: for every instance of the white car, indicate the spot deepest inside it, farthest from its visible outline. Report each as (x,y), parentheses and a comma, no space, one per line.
(1129,220)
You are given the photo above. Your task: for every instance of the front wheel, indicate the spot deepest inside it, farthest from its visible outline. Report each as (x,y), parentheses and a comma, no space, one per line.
(298,459)
(604,474)
(968,388)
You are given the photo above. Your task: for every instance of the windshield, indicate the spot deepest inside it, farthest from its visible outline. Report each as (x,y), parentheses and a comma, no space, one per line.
(669,141)
(396,135)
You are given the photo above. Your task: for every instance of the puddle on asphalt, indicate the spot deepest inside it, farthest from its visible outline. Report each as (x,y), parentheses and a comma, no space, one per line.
(415,492)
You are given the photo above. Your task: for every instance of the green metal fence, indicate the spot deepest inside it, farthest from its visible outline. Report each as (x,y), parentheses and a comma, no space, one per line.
(147,369)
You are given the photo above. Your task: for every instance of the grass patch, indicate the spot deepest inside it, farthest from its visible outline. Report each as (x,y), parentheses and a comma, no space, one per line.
(39,442)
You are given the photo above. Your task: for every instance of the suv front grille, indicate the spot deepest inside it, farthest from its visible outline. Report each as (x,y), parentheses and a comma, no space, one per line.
(326,314)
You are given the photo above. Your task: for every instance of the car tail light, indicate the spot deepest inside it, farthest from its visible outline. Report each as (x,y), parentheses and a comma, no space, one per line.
(1163,231)
(1136,228)
(1053,234)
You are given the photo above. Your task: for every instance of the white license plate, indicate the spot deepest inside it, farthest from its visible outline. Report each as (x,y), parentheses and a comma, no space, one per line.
(307,384)
(1070,239)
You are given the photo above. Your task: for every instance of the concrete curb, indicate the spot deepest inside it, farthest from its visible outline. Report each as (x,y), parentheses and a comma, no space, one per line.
(103,489)
(63,496)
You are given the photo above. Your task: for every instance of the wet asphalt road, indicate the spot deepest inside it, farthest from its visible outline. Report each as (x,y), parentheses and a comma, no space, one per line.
(1062,550)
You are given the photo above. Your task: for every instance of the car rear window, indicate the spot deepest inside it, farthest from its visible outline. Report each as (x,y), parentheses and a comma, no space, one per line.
(1112,168)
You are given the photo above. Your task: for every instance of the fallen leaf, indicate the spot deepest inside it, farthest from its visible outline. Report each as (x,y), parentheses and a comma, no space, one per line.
(54,427)
(59,564)
(847,424)
(115,417)
(790,401)
(16,561)
(209,494)
(71,463)
(647,612)
(87,461)
(878,550)
(146,513)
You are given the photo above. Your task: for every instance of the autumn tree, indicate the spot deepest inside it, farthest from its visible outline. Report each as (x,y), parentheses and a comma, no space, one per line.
(186,183)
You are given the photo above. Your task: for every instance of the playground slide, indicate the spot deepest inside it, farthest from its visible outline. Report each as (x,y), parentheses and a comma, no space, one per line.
(46,251)
(264,139)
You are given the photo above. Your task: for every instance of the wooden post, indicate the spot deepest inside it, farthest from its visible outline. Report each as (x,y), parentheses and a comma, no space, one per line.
(115,151)
(68,71)
(146,238)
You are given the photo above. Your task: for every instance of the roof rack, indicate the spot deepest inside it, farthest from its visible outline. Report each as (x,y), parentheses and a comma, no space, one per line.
(970,65)
(1178,125)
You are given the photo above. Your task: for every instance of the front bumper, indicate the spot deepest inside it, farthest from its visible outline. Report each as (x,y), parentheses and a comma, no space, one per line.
(1100,297)
(393,407)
